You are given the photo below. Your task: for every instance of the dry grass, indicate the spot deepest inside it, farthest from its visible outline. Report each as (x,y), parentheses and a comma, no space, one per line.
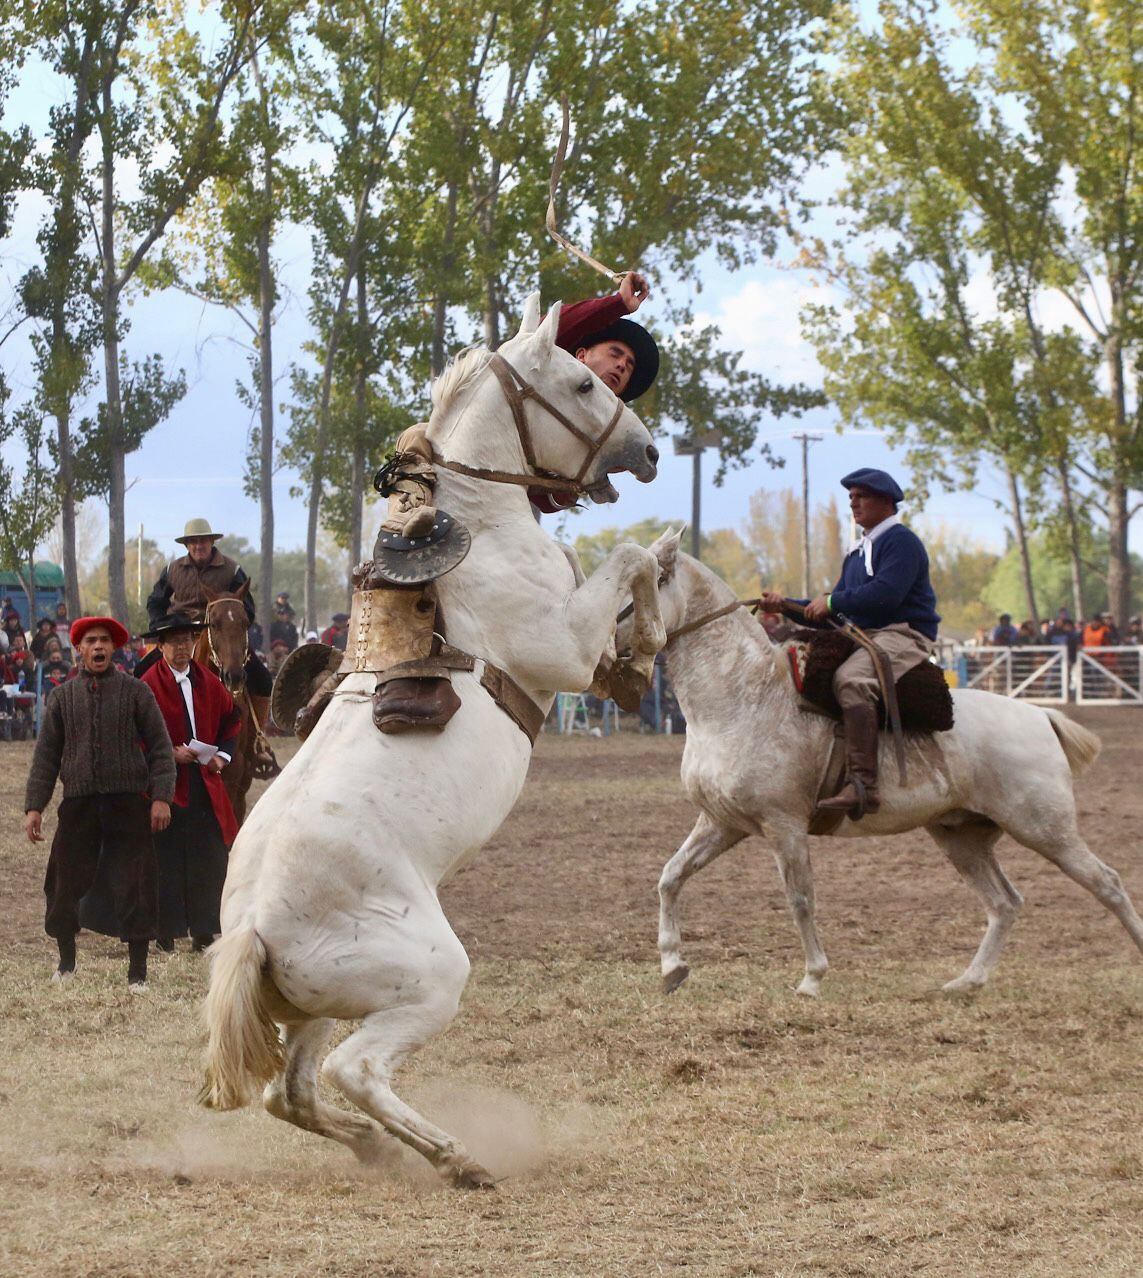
(730,1130)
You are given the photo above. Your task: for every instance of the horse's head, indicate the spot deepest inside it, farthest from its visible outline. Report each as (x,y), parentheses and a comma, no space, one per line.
(226,632)
(541,411)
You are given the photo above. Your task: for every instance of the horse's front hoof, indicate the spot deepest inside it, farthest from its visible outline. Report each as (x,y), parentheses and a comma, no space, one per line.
(469,1175)
(963,987)
(675,977)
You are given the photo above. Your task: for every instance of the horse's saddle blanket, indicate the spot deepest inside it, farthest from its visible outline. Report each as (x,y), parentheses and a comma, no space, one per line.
(922,693)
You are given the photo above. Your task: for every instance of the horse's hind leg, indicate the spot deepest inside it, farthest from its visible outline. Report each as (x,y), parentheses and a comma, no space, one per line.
(293,1095)
(705,842)
(969,848)
(1061,842)
(363,1066)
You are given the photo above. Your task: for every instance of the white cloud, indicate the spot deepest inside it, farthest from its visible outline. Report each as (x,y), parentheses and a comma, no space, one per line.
(761,319)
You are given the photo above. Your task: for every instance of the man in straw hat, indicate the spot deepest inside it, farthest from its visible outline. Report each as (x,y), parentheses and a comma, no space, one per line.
(116,796)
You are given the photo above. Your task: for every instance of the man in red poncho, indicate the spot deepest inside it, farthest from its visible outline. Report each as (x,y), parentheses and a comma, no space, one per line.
(203,723)
(617,350)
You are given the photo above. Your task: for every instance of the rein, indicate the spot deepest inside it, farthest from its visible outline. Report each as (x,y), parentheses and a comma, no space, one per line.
(707,618)
(704,620)
(517,392)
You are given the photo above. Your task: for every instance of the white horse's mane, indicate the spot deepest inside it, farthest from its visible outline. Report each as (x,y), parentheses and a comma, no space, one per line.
(460,371)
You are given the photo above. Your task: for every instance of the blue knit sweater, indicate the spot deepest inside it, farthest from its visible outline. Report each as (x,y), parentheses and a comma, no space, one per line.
(898,591)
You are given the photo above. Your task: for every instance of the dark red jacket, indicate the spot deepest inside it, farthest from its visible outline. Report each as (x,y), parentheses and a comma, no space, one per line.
(217,722)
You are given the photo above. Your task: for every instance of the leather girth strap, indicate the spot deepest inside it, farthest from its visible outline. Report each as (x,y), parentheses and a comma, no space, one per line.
(513,700)
(499,684)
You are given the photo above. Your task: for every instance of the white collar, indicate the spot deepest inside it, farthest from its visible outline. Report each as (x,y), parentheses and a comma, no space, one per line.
(181,676)
(864,543)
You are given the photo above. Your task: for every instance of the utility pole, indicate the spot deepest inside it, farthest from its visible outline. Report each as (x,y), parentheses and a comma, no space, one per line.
(807,439)
(692,446)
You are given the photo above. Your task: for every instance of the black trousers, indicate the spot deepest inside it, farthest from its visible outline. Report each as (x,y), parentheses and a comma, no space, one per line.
(192,861)
(111,833)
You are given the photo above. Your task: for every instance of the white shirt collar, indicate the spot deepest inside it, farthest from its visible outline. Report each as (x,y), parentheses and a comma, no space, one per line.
(180,675)
(864,543)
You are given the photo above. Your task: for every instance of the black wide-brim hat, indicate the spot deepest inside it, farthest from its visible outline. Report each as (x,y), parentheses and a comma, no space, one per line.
(172,622)
(643,347)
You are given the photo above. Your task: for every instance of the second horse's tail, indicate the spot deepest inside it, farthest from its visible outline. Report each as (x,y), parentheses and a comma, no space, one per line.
(244,1051)
(1080,746)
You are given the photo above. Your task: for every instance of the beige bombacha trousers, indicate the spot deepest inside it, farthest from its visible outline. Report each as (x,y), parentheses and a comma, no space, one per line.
(855,680)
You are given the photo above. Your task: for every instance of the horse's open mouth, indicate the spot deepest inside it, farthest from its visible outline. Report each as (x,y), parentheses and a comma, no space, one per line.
(603,492)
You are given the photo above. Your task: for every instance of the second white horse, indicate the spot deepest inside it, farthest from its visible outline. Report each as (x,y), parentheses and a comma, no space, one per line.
(754,758)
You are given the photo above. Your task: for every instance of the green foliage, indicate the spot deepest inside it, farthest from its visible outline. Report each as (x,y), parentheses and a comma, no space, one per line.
(989,170)
(1003,592)
(28,497)
(148,393)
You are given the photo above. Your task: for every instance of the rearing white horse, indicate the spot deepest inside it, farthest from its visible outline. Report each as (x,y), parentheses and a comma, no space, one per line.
(754,758)
(330,910)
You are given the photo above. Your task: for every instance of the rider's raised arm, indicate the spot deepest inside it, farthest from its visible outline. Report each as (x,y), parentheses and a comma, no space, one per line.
(581,320)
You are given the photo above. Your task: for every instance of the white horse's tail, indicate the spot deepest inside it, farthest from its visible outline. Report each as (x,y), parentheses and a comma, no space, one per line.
(244,1051)
(1080,746)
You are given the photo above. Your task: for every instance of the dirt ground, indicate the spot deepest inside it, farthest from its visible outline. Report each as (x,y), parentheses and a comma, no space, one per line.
(731,1129)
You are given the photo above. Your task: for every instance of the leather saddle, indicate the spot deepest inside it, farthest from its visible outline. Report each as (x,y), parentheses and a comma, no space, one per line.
(922,693)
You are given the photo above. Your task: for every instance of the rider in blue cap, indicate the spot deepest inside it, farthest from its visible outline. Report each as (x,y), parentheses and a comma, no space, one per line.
(884,589)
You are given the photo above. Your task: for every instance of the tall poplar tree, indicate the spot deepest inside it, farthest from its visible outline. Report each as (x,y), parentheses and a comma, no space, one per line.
(981,192)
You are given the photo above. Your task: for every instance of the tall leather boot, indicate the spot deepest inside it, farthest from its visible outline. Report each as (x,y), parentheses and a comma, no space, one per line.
(858,796)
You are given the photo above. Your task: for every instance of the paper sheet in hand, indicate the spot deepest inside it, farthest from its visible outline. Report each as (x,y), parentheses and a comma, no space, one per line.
(201,751)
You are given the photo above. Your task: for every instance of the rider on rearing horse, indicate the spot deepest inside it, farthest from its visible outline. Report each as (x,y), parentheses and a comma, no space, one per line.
(884,589)
(617,350)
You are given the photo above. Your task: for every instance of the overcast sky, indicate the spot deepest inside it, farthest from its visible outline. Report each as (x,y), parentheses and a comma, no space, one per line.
(191,465)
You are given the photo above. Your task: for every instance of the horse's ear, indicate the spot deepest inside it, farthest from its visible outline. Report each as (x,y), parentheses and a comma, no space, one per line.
(546,333)
(666,550)
(531,320)
(243,590)
(211,595)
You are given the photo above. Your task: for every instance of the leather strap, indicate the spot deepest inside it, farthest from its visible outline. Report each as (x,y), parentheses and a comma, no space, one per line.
(438,665)
(709,617)
(516,392)
(513,700)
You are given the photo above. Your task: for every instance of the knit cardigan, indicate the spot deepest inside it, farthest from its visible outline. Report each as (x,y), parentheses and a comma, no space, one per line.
(90,738)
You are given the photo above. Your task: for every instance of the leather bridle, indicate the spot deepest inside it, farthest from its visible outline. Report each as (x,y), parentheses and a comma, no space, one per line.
(517,391)
(210,638)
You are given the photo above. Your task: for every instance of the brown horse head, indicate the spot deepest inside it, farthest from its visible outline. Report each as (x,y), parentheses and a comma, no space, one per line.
(224,642)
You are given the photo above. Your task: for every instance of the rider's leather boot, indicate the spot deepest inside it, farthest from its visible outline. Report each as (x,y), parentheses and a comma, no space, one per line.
(858,797)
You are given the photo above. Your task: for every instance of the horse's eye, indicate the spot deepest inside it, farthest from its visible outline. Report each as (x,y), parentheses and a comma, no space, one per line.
(584,387)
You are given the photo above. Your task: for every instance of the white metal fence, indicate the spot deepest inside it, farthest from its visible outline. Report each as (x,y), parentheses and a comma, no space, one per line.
(1045,674)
